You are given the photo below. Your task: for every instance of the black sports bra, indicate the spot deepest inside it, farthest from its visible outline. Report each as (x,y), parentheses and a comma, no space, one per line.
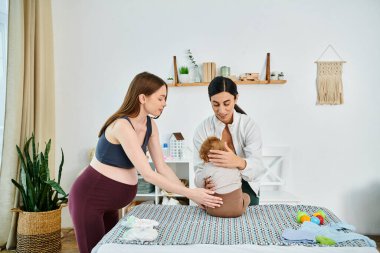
(113,154)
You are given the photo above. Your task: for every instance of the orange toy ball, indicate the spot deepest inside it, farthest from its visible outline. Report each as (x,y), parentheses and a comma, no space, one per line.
(305,218)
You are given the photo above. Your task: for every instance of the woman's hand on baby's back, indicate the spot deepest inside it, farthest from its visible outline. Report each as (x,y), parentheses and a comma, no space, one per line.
(205,197)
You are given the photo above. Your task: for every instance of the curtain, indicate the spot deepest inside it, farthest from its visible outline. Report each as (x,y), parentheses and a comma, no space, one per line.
(30,99)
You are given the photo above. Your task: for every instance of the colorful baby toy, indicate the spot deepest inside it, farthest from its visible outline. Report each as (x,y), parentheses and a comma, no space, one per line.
(317,218)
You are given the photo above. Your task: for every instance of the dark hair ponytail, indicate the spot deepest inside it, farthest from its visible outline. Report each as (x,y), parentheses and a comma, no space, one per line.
(220,84)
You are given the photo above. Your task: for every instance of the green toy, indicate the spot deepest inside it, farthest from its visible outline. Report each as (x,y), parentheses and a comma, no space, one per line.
(324,240)
(299,215)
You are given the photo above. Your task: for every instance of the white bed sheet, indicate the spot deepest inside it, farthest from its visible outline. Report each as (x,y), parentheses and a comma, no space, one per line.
(244,248)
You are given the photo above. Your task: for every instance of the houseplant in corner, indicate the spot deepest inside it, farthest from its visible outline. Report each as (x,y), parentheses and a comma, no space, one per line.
(39,222)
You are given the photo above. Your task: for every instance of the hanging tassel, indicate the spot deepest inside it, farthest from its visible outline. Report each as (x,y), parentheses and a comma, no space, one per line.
(329,82)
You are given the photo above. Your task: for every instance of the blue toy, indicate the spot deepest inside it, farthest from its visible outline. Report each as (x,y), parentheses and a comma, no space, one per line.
(315,220)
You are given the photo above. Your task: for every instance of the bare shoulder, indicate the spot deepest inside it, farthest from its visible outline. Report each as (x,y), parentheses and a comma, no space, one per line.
(121,127)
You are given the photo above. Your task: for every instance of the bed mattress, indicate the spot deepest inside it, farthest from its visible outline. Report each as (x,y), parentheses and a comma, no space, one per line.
(191,229)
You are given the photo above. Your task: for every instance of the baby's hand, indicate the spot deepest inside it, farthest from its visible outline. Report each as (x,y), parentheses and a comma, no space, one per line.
(209,184)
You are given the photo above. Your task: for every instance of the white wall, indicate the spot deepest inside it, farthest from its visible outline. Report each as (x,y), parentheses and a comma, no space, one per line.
(101,45)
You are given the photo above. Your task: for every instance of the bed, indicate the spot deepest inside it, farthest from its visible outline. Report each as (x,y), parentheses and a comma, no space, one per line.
(189,229)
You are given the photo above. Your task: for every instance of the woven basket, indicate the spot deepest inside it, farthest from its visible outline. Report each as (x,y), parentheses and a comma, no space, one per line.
(39,232)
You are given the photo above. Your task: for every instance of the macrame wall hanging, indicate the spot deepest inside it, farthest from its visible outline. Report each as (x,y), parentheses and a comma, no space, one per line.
(329,80)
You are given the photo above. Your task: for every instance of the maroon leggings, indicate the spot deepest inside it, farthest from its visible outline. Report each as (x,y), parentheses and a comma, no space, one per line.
(94,201)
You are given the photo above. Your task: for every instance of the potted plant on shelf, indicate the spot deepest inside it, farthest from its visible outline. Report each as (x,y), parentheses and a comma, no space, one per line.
(169,80)
(281,76)
(39,222)
(183,74)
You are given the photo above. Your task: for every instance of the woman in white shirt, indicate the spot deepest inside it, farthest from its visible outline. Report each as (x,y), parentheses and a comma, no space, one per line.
(241,136)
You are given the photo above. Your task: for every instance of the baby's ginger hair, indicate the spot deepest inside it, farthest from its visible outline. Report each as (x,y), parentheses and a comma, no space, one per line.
(213,143)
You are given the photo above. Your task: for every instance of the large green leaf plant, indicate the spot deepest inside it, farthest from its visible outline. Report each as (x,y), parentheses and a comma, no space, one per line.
(39,193)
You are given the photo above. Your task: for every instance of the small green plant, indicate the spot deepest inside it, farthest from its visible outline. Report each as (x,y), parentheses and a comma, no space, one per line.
(39,193)
(191,58)
(183,70)
(169,80)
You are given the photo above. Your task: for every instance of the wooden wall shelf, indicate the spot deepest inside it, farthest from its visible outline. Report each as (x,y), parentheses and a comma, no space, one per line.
(237,82)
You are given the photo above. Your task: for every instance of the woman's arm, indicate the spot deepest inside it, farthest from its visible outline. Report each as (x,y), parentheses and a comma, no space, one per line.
(127,137)
(155,151)
(255,168)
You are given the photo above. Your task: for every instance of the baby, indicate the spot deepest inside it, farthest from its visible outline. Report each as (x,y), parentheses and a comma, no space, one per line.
(227,183)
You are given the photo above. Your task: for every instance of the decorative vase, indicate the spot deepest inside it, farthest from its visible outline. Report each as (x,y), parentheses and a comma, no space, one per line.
(184,78)
(196,75)
(225,71)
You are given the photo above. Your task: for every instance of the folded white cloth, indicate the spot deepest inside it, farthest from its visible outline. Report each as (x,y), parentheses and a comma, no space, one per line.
(170,201)
(134,222)
(140,229)
(140,234)
(173,202)
(165,201)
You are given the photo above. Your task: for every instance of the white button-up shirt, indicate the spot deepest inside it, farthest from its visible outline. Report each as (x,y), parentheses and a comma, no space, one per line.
(247,142)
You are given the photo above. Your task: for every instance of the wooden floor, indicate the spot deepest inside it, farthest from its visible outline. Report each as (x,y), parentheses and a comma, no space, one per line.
(376,238)
(69,244)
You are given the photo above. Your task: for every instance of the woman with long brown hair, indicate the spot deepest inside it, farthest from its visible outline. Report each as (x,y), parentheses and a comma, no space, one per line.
(110,181)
